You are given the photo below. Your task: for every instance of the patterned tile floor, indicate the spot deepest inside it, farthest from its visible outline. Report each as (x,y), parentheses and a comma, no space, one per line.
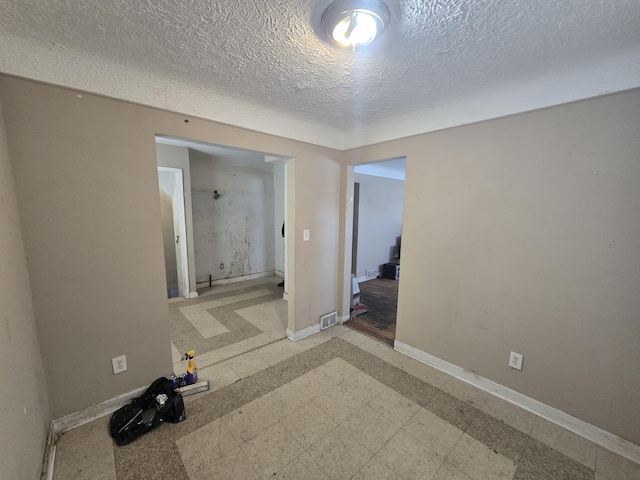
(336,405)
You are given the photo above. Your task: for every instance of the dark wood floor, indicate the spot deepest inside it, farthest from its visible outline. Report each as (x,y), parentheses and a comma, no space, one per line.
(381,296)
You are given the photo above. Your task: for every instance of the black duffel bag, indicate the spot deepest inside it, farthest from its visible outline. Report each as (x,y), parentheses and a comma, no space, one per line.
(146,412)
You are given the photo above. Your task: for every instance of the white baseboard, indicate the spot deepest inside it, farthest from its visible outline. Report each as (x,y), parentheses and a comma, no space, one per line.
(361,279)
(193,294)
(241,278)
(49,455)
(94,412)
(305,332)
(76,419)
(345,318)
(595,434)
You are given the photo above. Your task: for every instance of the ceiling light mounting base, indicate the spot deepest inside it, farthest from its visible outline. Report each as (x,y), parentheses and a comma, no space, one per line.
(354,23)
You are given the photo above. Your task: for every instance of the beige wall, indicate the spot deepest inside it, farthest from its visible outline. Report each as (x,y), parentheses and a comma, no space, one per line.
(25,414)
(523,234)
(87,190)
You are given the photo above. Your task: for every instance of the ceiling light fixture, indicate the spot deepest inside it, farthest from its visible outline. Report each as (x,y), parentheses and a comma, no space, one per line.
(355,23)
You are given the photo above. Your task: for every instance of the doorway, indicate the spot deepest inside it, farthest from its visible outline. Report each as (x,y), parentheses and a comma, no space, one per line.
(378,205)
(170,182)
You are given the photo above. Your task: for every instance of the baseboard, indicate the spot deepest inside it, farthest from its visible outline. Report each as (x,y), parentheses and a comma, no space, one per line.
(76,419)
(49,455)
(362,279)
(305,332)
(595,434)
(94,412)
(193,294)
(345,318)
(241,278)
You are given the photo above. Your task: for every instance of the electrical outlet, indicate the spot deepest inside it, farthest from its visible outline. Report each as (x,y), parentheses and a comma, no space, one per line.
(305,234)
(515,360)
(222,266)
(119,364)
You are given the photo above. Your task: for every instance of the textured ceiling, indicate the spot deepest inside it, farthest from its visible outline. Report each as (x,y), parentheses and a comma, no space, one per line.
(262,63)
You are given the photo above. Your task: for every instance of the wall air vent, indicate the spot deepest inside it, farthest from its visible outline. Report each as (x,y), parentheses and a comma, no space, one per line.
(328,320)
(371,274)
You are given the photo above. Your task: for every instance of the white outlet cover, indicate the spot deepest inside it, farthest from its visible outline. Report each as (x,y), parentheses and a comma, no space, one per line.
(515,360)
(119,364)
(306,235)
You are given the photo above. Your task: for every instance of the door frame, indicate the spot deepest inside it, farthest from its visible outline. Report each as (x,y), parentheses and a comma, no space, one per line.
(180,229)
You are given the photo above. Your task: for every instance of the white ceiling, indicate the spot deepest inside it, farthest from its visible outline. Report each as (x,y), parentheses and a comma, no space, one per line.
(262,64)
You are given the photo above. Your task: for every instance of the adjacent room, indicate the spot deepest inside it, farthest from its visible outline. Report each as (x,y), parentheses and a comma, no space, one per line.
(179,176)
(376,246)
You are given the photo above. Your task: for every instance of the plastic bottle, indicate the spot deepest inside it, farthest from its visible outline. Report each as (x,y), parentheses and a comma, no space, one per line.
(192,370)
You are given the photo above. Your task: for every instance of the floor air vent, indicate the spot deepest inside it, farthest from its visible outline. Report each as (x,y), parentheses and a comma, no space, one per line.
(328,320)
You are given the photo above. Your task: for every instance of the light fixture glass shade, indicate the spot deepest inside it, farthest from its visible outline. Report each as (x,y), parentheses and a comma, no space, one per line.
(353,23)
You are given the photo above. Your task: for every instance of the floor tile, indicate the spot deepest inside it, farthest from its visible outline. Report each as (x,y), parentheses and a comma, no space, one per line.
(409,459)
(205,445)
(206,324)
(176,356)
(339,454)
(479,461)
(248,364)
(510,414)
(338,370)
(611,466)
(84,453)
(449,472)
(376,469)
(219,375)
(449,408)
(301,468)
(275,352)
(540,461)
(370,428)
(314,383)
(498,436)
(338,403)
(271,450)
(309,424)
(285,400)
(248,421)
(465,392)
(432,432)
(354,337)
(364,387)
(379,349)
(393,406)
(572,445)
(233,465)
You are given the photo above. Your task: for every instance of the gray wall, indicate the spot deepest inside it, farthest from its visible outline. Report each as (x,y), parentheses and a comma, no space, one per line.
(24,419)
(237,229)
(523,234)
(379,220)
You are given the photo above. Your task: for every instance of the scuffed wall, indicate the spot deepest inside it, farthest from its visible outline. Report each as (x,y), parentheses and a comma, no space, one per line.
(236,230)
(521,234)
(24,417)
